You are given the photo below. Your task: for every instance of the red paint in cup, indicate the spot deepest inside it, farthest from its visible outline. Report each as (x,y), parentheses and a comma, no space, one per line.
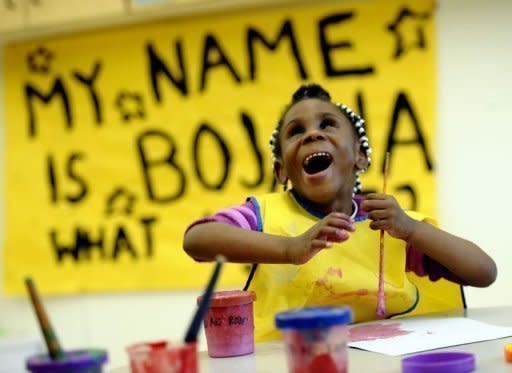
(229,323)
(316,339)
(163,357)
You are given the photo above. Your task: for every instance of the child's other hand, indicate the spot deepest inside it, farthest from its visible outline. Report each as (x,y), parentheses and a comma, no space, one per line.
(386,214)
(333,228)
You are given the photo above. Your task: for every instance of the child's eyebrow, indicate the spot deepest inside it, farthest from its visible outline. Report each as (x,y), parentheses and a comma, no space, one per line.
(328,113)
(322,114)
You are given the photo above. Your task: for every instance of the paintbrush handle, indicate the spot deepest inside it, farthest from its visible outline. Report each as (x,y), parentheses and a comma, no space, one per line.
(381,296)
(195,324)
(54,349)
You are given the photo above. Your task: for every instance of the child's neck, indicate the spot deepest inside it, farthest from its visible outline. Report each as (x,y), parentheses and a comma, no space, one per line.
(342,203)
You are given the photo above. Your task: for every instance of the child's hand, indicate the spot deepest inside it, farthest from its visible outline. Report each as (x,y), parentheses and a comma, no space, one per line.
(386,214)
(332,228)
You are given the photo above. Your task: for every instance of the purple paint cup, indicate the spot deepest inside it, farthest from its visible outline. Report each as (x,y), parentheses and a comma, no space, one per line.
(439,362)
(76,361)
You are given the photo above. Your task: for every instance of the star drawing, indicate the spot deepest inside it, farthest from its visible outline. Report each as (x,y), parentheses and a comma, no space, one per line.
(130,106)
(121,201)
(39,60)
(408,29)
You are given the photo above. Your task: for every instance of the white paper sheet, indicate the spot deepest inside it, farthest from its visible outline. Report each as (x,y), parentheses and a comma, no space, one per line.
(405,336)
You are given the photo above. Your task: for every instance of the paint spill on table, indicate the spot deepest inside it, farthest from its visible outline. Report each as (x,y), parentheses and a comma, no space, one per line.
(376,331)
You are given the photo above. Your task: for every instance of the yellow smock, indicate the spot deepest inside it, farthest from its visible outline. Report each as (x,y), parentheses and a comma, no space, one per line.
(345,274)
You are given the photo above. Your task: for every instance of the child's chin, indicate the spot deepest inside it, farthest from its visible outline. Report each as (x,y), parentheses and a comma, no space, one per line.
(320,195)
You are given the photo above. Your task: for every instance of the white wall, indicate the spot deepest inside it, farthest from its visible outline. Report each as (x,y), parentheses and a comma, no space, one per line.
(474,129)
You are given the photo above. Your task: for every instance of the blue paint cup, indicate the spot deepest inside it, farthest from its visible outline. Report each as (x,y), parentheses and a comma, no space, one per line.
(76,361)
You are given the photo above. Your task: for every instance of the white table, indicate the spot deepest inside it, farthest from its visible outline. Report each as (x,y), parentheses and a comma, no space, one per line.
(270,357)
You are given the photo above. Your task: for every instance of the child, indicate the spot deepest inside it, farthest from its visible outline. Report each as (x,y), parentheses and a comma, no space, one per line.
(318,244)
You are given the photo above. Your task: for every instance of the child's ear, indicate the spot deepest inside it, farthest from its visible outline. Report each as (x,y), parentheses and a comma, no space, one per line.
(361,158)
(280,173)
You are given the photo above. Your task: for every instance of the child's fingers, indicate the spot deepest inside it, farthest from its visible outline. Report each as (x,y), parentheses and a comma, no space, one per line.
(340,224)
(320,244)
(377,204)
(340,215)
(380,224)
(332,234)
(378,214)
(375,196)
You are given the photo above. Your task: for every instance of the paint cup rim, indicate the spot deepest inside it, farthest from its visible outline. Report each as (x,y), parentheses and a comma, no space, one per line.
(75,359)
(438,362)
(229,298)
(313,317)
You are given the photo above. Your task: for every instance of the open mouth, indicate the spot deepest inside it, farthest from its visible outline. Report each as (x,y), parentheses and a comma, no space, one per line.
(317,162)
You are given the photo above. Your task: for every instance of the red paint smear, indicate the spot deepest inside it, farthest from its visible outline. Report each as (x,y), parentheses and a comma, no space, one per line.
(329,287)
(334,272)
(376,331)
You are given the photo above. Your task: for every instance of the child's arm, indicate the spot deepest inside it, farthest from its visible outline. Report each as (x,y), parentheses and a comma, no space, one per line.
(205,241)
(462,257)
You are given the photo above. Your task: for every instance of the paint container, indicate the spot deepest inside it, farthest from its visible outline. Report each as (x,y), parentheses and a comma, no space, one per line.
(163,357)
(439,362)
(316,339)
(229,323)
(77,361)
(508,352)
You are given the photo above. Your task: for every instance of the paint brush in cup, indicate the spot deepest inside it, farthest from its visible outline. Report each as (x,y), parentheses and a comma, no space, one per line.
(54,349)
(195,324)
(381,296)
(72,361)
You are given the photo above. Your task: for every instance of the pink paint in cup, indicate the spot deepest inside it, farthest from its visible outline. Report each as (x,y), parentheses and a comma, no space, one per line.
(229,323)
(163,357)
(316,339)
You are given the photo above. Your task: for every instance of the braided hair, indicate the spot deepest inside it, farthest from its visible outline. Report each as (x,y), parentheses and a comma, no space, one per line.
(315,91)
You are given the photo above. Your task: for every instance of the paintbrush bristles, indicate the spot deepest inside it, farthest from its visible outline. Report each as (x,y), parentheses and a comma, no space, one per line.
(52,343)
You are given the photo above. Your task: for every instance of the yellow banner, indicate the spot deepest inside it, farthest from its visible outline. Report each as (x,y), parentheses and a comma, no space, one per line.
(117,139)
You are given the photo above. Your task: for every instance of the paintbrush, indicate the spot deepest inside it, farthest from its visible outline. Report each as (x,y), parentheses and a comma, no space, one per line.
(195,324)
(52,343)
(381,296)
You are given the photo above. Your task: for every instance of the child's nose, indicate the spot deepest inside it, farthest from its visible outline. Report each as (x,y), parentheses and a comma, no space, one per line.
(312,136)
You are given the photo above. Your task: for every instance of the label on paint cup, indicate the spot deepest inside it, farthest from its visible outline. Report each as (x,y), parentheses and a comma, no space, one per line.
(229,323)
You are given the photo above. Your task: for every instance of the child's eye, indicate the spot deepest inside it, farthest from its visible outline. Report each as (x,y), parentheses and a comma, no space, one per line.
(295,130)
(327,123)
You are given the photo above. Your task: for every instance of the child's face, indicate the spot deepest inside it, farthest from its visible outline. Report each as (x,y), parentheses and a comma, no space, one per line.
(319,152)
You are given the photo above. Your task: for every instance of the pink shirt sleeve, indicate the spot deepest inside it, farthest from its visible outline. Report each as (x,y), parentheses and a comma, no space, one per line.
(244,216)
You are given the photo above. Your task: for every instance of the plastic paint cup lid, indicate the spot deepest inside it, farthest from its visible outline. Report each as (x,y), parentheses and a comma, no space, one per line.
(439,362)
(312,318)
(230,298)
(77,360)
